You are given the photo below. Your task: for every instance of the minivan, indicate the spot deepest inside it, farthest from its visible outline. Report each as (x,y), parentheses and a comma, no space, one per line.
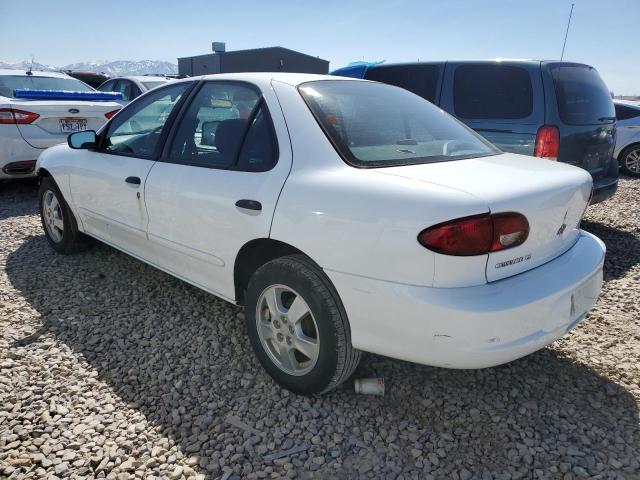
(550,109)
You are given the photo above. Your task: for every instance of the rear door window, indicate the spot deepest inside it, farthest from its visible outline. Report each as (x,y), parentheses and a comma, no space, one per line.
(582,96)
(227,126)
(107,86)
(419,79)
(492,92)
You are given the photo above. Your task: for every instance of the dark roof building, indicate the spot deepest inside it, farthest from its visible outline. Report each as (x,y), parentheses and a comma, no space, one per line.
(270,59)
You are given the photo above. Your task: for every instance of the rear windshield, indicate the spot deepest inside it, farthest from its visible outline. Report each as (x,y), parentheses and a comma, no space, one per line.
(151,85)
(419,79)
(625,112)
(10,83)
(373,125)
(583,98)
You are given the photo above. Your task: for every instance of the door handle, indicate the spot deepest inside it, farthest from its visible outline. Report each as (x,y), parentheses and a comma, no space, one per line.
(249,204)
(133,180)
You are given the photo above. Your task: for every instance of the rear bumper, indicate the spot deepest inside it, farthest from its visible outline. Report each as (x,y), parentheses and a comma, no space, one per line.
(474,327)
(603,189)
(14,152)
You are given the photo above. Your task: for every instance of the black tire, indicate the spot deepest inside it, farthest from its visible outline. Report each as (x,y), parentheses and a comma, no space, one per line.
(70,239)
(337,359)
(623,159)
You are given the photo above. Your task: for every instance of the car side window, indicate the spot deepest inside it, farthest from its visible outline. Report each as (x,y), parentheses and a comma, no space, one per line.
(419,79)
(124,87)
(107,86)
(135,91)
(136,130)
(492,92)
(227,126)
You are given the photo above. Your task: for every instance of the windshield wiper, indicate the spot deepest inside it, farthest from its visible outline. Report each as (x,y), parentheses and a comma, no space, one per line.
(602,119)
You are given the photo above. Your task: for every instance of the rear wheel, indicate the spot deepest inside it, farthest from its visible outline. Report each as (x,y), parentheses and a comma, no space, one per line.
(298,327)
(630,160)
(58,222)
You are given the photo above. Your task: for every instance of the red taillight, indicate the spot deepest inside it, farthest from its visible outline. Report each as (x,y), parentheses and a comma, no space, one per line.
(476,235)
(109,115)
(547,142)
(464,236)
(12,116)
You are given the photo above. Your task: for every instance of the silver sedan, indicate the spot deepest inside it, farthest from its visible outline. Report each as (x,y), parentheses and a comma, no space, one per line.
(628,137)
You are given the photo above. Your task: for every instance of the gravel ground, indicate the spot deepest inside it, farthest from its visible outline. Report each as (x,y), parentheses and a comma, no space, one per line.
(110,368)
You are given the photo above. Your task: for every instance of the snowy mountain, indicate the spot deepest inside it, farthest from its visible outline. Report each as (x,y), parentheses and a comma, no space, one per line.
(26,64)
(113,69)
(125,67)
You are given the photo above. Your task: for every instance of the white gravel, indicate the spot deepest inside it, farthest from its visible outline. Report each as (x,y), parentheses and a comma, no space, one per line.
(112,369)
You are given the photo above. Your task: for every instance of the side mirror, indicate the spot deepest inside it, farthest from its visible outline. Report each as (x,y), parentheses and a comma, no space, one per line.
(82,140)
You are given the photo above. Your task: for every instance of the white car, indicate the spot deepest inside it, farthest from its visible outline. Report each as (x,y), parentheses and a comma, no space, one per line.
(28,125)
(628,136)
(132,87)
(345,215)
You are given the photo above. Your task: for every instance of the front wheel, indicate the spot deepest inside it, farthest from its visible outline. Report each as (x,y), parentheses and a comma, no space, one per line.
(298,327)
(630,161)
(58,222)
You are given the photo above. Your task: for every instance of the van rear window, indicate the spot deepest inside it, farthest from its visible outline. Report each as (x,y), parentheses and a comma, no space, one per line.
(582,96)
(492,92)
(419,79)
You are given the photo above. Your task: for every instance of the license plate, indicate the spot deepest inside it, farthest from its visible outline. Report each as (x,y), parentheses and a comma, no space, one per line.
(70,125)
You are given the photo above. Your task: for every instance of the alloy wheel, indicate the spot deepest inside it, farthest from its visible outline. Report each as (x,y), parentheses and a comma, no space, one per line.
(632,161)
(52,215)
(287,330)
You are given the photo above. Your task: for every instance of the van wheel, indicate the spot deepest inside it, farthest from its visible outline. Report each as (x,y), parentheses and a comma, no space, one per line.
(298,327)
(630,161)
(58,222)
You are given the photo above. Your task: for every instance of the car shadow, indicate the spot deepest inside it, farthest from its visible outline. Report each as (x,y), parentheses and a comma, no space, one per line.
(180,356)
(623,248)
(18,198)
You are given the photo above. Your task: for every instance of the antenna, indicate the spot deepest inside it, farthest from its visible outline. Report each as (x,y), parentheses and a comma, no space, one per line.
(567,32)
(30,71)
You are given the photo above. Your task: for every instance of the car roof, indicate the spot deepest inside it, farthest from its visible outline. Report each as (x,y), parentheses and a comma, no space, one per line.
(34,73)
(294,79)
(142,78)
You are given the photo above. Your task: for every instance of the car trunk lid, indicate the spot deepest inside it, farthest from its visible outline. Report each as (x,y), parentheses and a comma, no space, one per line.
(57,119)
(552,197)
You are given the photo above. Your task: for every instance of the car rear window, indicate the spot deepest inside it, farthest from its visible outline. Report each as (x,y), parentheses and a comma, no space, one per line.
(10,83)
(582,96)
(373,124)
(150,85)
(419,79)
(492,92)
(624,112)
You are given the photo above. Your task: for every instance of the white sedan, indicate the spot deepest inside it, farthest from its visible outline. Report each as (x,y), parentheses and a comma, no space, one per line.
(132,87)
(29,124)
(345,215)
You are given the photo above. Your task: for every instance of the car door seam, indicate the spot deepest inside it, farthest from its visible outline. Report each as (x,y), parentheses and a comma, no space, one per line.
(275,206)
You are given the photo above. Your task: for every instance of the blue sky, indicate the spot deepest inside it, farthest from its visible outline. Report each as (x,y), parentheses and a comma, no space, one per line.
(603,33)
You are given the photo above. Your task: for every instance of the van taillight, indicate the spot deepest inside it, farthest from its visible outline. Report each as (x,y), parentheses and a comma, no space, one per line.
(476,235)
(110,114)
(12,116)
(547,142)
